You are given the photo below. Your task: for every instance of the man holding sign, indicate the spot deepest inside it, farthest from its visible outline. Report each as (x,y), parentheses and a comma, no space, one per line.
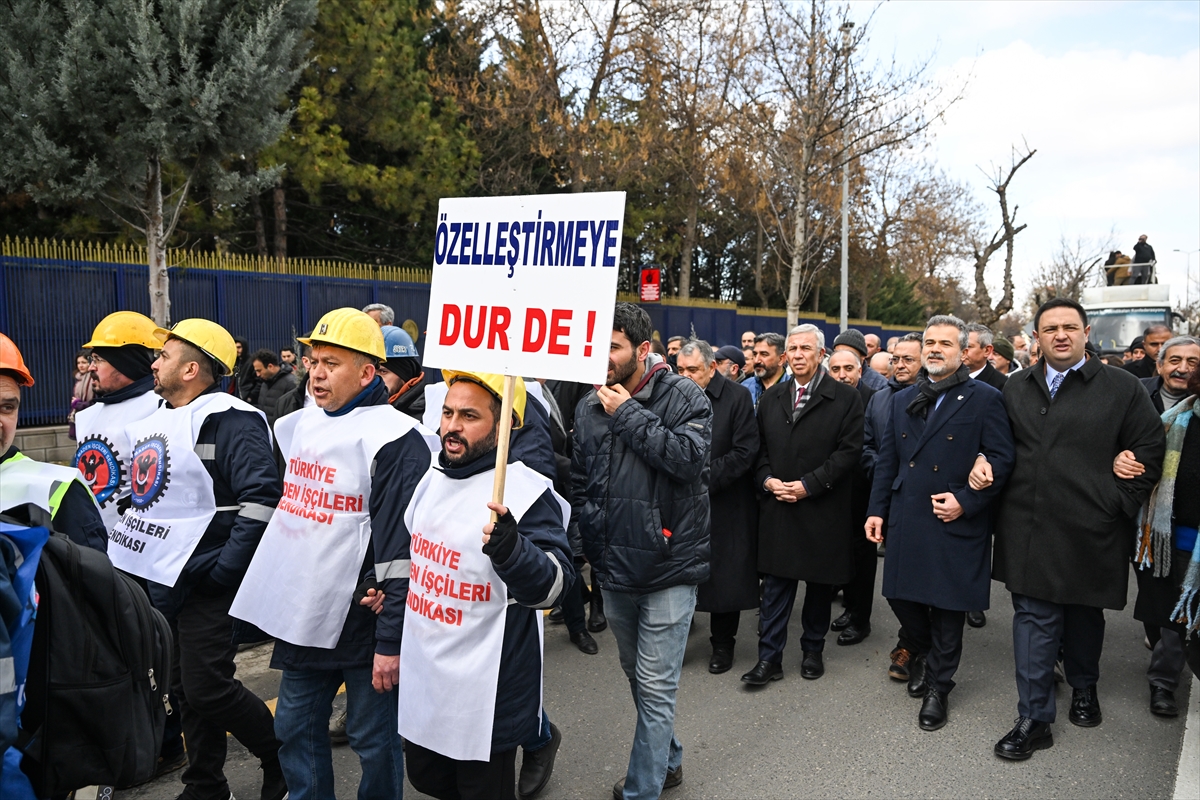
(471,657)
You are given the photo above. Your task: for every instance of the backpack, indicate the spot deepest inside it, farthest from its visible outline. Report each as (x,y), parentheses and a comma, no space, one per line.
(99,675)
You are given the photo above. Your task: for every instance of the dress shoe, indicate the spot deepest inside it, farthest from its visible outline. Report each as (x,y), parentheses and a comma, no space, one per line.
(763,673)
(1025,737)
(674,778)
(586,644)
(721,661)
(933,710)
(898,671)
(596,619)
(841,623)
(538,765)
(556,616)
(813,666)
(976,619)
(917,683)
(1085,708)
(854,634)
(1162,702)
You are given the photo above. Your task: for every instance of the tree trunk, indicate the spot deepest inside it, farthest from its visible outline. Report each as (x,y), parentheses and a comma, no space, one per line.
(799,237)
(280,224)
(160,295)
(689,247)
(260,227)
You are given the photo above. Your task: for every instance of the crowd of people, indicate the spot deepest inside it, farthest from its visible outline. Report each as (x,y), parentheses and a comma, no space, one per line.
(695,479)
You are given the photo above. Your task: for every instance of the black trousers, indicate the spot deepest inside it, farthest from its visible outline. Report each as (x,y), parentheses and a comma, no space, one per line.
(1040,628)
(211,700)
(446,779)
(859,593)
(778,597)
(724,625)
(935,633)
(573,602)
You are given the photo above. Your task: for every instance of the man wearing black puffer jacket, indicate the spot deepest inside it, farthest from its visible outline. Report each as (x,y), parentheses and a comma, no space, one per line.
(639,477)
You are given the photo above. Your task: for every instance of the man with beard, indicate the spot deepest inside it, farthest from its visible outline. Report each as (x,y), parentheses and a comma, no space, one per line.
(471,659)
(1152,340)
(938,558)
(1178,358)
(340,543)
(769,363)
(639,476)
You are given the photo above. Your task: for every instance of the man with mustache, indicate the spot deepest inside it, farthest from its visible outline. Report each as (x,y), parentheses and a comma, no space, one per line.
(1177,360)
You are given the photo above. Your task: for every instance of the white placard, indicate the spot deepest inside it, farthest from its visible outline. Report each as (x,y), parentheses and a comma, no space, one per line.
(537,302)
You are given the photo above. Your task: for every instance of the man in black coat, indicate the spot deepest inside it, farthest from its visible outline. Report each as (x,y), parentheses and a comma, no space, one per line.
(1143,261)
(733,534)
(977,356)
(939,551)
(812,430)
(274,381)
(1066,523)
(854,625)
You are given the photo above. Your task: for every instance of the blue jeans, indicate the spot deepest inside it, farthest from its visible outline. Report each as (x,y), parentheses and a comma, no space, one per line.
(651,630)
(302,725)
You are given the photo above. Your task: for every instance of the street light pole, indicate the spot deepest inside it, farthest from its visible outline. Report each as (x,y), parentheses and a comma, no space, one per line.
(1187,275)
(846,28)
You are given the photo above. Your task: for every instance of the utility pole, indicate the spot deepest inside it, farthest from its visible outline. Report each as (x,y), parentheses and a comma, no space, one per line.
(846,28)
(1187,275)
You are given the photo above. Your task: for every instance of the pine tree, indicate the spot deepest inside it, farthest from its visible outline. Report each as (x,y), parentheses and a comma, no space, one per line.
(108,101)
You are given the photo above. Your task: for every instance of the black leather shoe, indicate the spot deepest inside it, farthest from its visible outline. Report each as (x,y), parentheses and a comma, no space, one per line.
(1162,702)
(917,684)
(1025,737)
(934,710)
(763,673)
(841,623)
(538,765)
(586,644)
(721,661)
(976,619)
(813,666)
(854,634)
(556,615)
(674,778)
(596,619)
(1085,708)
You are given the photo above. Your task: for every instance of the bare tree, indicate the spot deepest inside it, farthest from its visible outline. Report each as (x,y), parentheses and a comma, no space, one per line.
(1003,237)
(1073,268)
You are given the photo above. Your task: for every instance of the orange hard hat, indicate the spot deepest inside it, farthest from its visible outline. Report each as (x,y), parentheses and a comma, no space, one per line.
(10,358)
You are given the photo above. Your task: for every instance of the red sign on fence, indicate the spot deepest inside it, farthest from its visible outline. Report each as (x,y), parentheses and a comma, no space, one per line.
(651,285)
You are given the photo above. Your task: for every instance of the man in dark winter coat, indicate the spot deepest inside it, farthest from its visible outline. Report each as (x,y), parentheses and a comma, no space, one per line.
(853,339)
(733,534)
(939,551)
(274,381)
(1177,360)
(1143,261)
(639,478)
(1065,522)
(812,431)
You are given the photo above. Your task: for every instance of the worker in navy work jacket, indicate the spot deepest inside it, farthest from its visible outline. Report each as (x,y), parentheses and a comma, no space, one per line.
(938,561)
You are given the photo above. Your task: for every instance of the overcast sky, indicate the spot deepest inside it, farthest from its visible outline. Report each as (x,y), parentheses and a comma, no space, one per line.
(1107,92)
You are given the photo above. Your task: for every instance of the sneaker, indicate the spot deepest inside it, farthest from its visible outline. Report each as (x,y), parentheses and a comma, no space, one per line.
(898,671)
(337,728)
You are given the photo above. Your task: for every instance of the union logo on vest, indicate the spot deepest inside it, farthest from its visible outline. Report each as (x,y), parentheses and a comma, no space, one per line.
(100,467)
(151,471)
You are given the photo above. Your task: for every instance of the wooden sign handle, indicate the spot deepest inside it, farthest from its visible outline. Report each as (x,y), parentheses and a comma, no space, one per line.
(505,436)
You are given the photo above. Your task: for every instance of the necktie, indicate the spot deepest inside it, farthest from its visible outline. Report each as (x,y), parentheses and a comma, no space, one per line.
(799,394)
(1057,382)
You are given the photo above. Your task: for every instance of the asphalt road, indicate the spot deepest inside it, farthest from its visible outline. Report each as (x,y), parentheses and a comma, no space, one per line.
(853,733)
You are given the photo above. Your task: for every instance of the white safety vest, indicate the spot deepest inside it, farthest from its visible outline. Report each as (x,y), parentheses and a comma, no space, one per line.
(23,480)
(171,493)
(103,453)
(301,581)
(454,622)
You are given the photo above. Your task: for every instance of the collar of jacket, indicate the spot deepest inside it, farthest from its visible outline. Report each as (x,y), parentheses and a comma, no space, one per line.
(12,451)
(645,387)
(485,462)
(216,387)
(374,395)
(135,389)
(715,386)
(896,386)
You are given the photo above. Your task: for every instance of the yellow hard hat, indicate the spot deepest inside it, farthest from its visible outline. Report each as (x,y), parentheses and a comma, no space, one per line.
(495,384)
(125,327)
(351,329)
(10,359)
(211,338)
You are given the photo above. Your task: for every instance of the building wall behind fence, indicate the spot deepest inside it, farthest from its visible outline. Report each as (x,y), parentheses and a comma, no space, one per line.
(49,307)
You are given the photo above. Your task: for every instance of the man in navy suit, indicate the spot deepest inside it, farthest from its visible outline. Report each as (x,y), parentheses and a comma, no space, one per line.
(938,562)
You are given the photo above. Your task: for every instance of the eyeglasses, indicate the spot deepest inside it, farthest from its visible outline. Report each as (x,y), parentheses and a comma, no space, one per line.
(95,359)
(906,359)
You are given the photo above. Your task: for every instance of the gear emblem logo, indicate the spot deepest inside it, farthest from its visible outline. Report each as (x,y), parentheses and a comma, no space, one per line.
(150,471)
(97,461)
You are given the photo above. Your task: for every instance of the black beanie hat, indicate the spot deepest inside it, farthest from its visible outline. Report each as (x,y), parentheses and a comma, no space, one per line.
(133,361)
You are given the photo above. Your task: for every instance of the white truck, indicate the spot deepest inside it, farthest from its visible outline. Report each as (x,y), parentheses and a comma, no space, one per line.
(1119,314)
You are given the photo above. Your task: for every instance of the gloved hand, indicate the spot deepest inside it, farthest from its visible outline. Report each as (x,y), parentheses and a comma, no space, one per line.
(503,534)
(361,591)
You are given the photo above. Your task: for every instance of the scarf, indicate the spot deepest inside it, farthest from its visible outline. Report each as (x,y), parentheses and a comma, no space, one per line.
(1154,523)
(928,391)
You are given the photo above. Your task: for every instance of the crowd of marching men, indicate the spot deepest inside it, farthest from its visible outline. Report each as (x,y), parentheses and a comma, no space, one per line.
(340,499)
